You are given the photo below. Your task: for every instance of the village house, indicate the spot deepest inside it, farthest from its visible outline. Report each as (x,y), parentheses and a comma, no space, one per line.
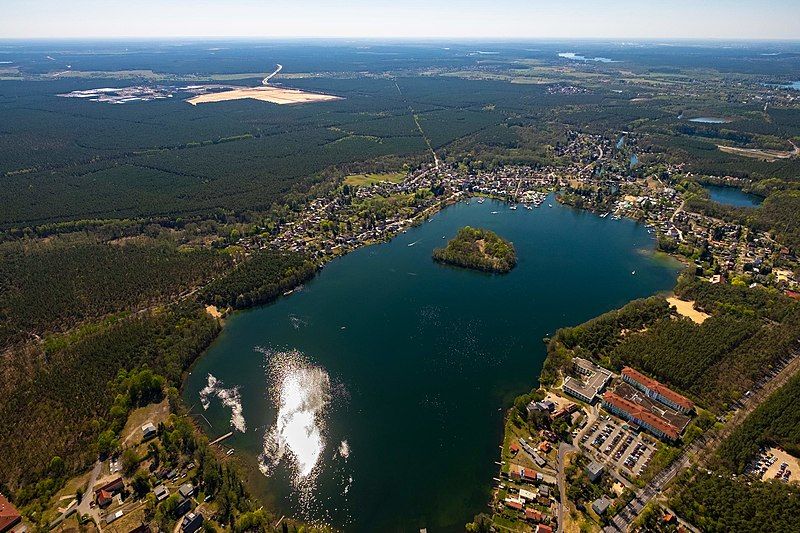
(191,522)
(149,431)
(104,494)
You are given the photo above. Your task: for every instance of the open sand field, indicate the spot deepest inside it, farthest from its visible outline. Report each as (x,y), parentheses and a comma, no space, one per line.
(275,95)
(687,309)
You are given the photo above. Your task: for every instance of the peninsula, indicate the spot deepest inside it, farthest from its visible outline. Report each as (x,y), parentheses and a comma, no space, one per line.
(479,249)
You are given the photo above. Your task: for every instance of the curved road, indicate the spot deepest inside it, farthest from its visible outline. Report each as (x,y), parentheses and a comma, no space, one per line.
(265,81)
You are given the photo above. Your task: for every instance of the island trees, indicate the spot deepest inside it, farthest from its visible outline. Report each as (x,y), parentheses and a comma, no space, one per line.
(479,249)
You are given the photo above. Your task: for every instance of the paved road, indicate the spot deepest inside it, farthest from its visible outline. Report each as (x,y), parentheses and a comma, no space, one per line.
(265,81)
(563,449)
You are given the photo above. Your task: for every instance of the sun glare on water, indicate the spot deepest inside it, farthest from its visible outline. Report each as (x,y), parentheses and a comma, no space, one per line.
(301,393)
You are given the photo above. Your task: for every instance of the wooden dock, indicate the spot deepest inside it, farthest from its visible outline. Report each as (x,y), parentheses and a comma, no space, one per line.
(222,438)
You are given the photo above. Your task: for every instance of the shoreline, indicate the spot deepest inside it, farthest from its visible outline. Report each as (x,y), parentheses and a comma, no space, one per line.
(250,473)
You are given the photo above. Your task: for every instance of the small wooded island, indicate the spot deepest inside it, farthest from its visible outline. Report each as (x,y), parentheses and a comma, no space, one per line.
(479,249)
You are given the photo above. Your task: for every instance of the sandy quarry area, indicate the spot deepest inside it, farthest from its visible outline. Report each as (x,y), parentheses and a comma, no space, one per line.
(687,309)
(763,154)
(276,95)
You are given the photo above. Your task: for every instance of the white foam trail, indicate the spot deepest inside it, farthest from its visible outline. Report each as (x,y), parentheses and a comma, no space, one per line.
(344,449)
(230,398)
(301,393)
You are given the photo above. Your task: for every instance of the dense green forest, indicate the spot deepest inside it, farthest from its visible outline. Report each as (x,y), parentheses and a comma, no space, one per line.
(716,503)
(259,279)
(479,249)
(774,422)
(596,338)
(58,397)
(52,286)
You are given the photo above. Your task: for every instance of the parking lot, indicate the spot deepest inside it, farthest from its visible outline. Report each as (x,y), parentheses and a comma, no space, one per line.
(774,463)
(617,443)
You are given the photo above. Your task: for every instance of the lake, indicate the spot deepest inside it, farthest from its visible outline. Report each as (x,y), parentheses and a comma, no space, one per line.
(577,57)
(371,399)
(710,120)
(733,196)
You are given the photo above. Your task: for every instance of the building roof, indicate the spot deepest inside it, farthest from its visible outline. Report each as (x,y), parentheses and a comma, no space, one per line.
(533,514)
(656,386)
(513,504)
(541,528)
(9,516)
(642,414)
(114,485)
(594,467)
(600,505)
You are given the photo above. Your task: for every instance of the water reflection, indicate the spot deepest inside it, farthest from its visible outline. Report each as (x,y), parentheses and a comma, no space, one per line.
(301,395)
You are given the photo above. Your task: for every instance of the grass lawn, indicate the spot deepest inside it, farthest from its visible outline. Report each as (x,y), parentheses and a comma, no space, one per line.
(371,179)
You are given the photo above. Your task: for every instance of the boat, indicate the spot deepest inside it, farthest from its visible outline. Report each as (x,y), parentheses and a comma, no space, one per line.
(633,273)
(549,205)
(528,207)
(513,208)
(495,212)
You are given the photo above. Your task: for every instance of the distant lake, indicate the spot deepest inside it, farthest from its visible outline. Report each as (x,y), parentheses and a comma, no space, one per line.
(733,196)
(794,85)
(575,57)
(371,399)
(710,120)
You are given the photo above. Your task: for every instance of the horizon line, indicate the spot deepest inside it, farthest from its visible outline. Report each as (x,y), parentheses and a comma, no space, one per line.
(397,38)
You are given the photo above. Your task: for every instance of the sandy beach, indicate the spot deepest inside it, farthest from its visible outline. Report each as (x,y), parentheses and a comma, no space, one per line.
(687,309)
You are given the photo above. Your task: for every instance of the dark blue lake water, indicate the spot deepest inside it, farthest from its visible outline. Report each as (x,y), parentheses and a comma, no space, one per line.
(371,400)
(733,196)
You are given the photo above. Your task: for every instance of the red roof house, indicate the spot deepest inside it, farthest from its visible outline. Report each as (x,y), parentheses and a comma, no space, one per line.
(9,516)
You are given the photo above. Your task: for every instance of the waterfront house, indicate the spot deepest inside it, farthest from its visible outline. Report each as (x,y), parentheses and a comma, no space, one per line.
(514,503)
(149,431)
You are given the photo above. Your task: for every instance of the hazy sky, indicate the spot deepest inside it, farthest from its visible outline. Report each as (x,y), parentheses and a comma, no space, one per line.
(743,19)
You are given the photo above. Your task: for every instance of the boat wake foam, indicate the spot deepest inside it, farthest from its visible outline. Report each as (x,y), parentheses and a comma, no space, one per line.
(230,398)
